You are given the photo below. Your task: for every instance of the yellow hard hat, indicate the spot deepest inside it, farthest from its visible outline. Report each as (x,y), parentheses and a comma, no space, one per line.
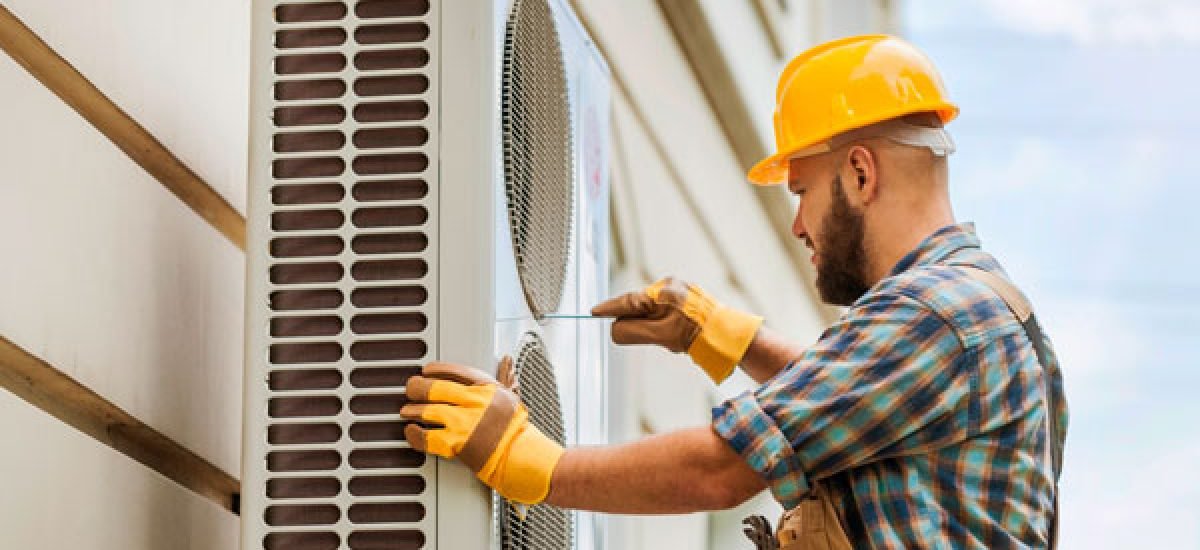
(847,84)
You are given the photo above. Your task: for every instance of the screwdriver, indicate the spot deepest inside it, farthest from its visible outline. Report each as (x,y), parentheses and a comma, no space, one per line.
(574,316)
(552,316)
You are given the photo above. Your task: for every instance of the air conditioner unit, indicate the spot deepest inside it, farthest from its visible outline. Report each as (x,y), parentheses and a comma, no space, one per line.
(428,180)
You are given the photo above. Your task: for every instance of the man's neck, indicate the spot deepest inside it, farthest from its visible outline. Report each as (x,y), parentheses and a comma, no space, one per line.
(896,238)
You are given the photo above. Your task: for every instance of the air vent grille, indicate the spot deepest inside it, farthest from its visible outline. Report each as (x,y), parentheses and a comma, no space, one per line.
(544,527)
(341,282)
(538,152)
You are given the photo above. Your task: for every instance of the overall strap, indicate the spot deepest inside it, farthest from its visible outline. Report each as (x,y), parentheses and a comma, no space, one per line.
(1019,305)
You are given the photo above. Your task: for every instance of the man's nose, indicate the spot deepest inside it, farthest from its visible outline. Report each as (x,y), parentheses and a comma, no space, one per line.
(798,228)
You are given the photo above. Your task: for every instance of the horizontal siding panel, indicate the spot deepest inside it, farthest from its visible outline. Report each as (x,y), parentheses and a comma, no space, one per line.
(66,490)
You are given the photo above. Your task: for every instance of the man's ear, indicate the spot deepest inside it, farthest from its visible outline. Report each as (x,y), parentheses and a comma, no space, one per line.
(863,184)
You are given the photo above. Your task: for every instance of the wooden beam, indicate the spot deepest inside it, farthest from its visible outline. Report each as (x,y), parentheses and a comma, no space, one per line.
(75,90)
(52,391)
(694,32)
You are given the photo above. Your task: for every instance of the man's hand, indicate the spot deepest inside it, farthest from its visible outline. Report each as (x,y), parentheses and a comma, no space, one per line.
(484,425)
(682,317)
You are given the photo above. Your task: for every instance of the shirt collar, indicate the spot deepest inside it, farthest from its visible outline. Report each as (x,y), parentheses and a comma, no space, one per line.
(936,248)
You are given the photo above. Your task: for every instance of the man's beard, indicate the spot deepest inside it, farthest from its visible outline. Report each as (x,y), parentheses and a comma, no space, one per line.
(841,278)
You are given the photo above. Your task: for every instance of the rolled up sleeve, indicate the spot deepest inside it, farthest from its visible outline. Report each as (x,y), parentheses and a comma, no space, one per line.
(754,435)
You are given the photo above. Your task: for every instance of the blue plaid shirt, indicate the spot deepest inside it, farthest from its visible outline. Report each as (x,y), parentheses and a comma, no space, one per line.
(920,410)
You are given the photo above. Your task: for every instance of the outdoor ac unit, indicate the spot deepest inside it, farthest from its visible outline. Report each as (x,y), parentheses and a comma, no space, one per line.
(428,180)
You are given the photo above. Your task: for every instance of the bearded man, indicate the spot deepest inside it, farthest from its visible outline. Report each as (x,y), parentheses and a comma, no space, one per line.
(929,415)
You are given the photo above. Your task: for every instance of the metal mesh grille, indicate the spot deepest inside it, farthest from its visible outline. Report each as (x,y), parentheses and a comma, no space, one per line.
(342,260)
(538,160)
(544,527)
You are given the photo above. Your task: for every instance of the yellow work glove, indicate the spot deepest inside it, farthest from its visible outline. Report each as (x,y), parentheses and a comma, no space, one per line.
(682,317)
(484,425)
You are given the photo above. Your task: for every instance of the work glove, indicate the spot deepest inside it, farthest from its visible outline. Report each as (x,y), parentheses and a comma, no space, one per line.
(681,317)
(483,424)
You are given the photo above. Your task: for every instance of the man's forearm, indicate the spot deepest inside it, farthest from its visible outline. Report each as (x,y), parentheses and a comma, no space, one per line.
(686,471)
(768,354)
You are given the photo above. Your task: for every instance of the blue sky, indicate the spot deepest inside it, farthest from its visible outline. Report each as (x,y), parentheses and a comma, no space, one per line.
(1079,128)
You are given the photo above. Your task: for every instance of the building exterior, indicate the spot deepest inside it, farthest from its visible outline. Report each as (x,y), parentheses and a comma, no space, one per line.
(115,282)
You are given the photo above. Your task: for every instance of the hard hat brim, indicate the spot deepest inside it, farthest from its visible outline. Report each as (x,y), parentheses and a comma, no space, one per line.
(771,170)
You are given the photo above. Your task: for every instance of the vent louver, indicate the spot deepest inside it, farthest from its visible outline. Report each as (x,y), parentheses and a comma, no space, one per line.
(343,200)
(538,152)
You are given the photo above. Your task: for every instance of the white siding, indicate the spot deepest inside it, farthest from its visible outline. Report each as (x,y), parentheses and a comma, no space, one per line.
(112,279)
(181,68)
(63,489)
(115,281)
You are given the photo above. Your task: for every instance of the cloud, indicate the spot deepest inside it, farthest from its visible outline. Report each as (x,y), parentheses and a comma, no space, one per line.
(1148,22)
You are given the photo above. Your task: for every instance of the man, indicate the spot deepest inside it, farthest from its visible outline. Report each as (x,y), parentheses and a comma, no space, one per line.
(923,417)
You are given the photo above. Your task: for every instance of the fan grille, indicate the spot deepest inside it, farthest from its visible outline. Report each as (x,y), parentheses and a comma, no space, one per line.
(538,159)
(544,527)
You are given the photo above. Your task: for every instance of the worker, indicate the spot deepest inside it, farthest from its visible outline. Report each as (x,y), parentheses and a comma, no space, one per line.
(929,415)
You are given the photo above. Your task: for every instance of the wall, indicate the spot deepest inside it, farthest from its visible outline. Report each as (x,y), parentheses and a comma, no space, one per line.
(112,279)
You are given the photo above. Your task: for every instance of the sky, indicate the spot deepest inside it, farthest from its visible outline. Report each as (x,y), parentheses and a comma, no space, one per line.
(1079,123)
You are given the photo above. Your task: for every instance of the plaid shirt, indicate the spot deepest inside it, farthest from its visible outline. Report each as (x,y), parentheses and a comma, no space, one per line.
(920,409)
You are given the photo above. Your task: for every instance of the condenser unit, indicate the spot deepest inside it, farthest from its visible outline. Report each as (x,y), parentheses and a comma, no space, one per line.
(428,180)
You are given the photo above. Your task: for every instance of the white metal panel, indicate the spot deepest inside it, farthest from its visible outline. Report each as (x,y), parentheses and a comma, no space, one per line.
(576,348)
(587,370)
(470,133)
(338,115)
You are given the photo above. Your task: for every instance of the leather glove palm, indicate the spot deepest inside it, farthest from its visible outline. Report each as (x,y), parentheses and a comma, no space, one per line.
(483,424)
(682,317)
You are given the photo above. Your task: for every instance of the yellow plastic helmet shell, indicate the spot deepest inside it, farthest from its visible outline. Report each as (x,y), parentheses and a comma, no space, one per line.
(846,84)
